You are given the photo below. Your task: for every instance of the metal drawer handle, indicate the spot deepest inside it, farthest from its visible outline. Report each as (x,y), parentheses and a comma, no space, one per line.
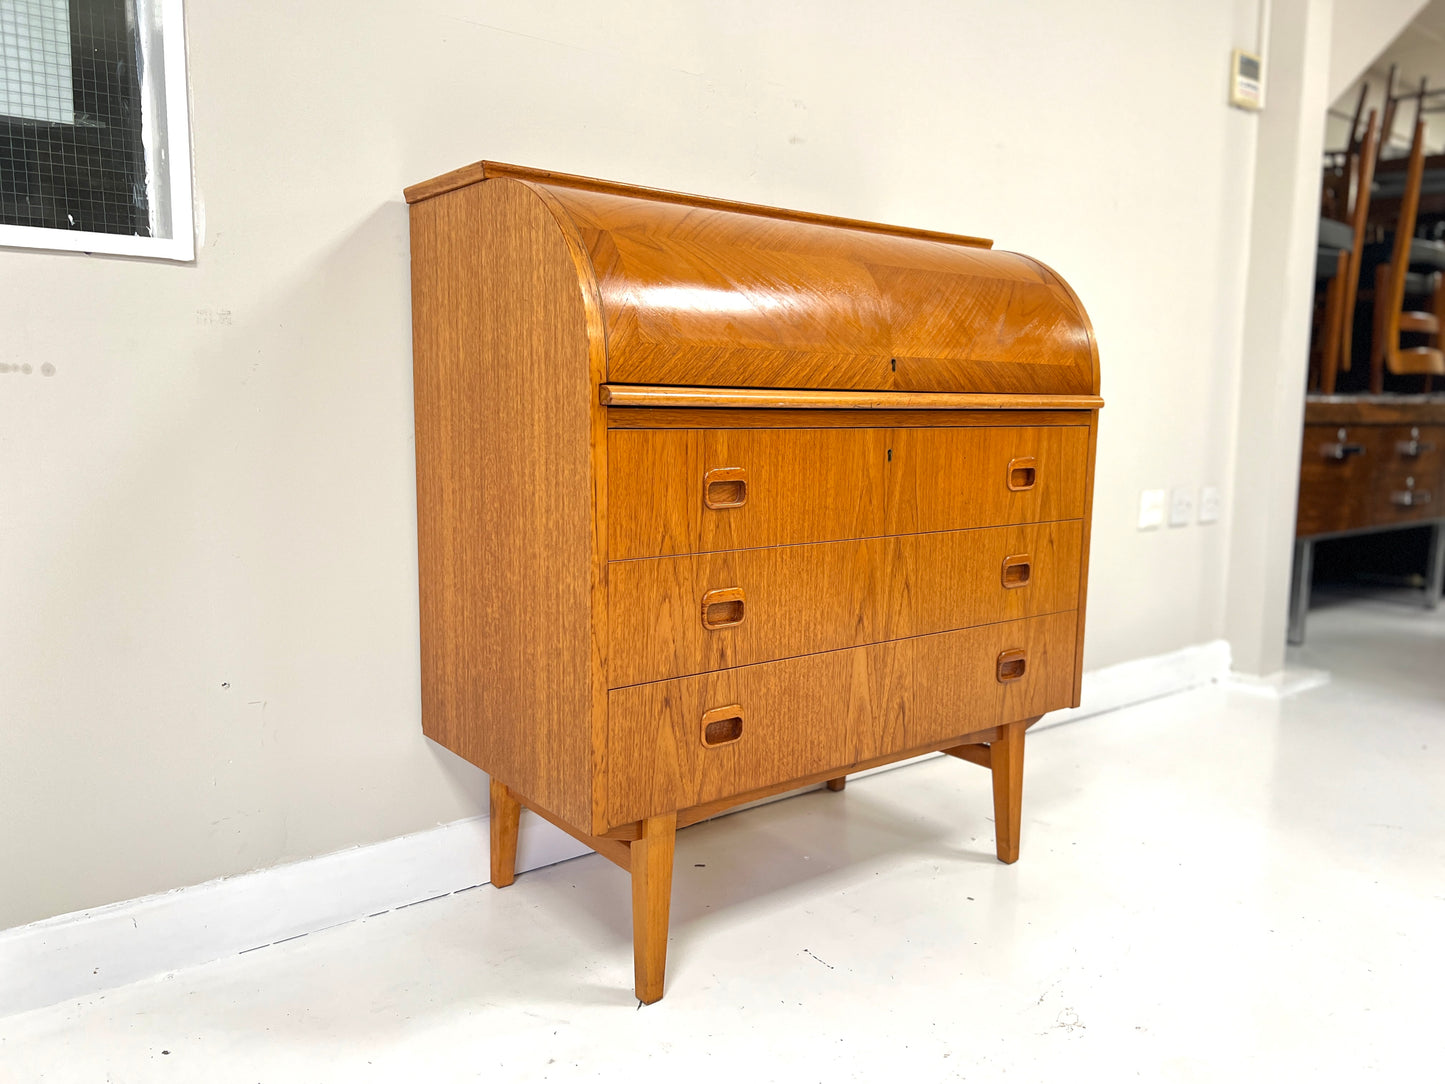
(724,608)
(1414,447)
(1017,570)
(725,487)
(722,726)
(1340,450)
(1011,665)
(1409,498)
(1022,473)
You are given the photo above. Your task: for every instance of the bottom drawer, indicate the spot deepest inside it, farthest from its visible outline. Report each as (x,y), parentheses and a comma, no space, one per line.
(680,743)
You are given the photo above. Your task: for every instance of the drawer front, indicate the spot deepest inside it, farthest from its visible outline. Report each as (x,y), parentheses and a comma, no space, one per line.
(1388,474)
(680,743)
(674,616)
(682,491)
(1409,486)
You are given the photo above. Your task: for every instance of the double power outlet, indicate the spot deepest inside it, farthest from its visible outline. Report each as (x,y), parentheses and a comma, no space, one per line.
(1180,506)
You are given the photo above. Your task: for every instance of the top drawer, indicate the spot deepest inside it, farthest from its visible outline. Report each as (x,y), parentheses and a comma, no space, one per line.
(674,491)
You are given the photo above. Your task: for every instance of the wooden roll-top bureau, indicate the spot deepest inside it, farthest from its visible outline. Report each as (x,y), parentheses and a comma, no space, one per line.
(716,501)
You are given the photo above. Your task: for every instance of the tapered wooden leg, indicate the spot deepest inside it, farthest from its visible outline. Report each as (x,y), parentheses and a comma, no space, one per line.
(506,815)
(1006,761)
(839,783)
(651,864)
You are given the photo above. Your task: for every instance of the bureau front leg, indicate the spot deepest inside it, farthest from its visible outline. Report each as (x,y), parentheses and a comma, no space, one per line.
(1006,761)
(650,862)
(506,818)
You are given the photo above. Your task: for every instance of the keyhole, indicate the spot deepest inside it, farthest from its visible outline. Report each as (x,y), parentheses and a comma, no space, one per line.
(894,363)
(890,455)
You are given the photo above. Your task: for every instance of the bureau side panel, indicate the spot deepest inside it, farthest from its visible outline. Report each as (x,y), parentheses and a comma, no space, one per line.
(504,491)
(1084,557)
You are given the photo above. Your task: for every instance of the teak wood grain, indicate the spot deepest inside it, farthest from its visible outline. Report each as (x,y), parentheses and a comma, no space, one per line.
(509,517)
(809,714)
(646,395)
(812,493)
(798,600)
(826,484)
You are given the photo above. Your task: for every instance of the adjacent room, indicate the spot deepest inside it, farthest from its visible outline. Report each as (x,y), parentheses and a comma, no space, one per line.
(550,541)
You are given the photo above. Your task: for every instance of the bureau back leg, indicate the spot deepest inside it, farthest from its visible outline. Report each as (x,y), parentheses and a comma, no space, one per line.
(1006,761)
(506,816)
(651,864)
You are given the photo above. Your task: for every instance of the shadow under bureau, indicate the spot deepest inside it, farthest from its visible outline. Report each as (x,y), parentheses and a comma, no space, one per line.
(716,501)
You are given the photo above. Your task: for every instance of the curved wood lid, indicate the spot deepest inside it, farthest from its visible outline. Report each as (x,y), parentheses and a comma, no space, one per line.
(703,292)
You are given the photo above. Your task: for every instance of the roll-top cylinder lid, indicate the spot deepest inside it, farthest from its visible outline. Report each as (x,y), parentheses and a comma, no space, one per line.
(702,292)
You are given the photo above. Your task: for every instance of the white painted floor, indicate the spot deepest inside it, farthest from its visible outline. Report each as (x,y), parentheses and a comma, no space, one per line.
(1214,886)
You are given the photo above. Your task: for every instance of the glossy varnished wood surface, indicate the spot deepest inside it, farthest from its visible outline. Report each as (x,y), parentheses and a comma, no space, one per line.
(810,418)
(818,485)
(803,599)
(696,291)
(509,517)
(480,171)
(645,395)
(710,297)
(826,711)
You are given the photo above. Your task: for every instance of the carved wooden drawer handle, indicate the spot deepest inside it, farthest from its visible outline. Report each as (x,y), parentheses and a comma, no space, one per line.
(725,487)
(722,726)
(1022,473)
(1017,570)
(724,608)
(1011,665)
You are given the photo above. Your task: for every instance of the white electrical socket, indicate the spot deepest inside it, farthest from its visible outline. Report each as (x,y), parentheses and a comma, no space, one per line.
(1209,504)
(1151,509)
(1181,506)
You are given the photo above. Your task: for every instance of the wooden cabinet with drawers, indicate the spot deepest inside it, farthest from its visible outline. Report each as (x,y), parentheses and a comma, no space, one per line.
(1368,463)
(716,501)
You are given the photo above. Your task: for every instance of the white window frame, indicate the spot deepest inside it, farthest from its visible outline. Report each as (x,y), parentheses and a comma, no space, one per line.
(166,137)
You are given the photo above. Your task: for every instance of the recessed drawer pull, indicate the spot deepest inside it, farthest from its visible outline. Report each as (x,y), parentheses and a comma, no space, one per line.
(725,487)
(1017,570)
(722,726)
(724,608)
(1022,473)
(1011,665)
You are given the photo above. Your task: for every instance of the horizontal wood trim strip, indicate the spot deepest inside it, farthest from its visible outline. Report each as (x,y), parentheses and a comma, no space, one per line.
(1374,409)
(652,395)
(481,171)
(783,418)
(613,850)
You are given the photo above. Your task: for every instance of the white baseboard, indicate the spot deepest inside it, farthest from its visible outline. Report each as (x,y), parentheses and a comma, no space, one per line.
(85,952)
(88,951)
(1123,684)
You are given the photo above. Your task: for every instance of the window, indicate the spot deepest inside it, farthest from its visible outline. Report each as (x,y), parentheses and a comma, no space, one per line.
(94,139)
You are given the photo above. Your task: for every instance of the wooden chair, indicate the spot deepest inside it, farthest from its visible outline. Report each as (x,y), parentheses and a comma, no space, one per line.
(1337,331)
(1391,318)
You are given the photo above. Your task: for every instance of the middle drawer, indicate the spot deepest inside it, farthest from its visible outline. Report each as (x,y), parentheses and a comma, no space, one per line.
(676,616)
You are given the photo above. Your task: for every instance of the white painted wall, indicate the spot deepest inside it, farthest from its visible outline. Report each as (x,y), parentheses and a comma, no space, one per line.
(1362,30)
(208,657)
